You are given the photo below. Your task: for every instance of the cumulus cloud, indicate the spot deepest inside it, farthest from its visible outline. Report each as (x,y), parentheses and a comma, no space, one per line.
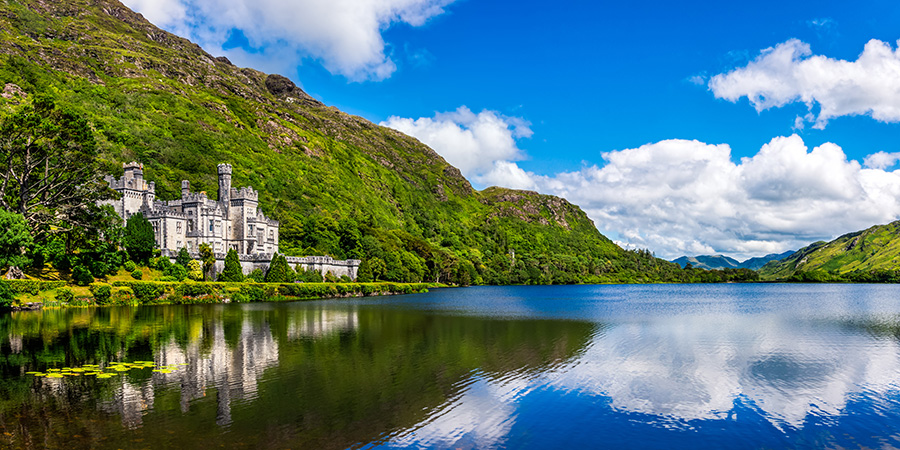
(789,72)
(679,197)
(483,146)
(682,197)
(345,35)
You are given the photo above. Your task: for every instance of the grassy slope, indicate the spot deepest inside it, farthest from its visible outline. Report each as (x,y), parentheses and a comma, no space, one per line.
(339,184)
(875,248)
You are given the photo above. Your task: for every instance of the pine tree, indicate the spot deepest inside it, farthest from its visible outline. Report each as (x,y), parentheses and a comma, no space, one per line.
(208,258)
(232,270)
(279,271)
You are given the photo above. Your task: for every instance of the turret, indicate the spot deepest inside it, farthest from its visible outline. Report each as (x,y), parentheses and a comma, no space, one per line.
(185,188)
(225,184)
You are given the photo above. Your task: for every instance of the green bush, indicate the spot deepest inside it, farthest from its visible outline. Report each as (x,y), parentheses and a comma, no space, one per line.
(64,295)
(237,297)
(148,292)
(130,266)
(33,286)
(137,274)
(6,294)
(82,276)
(102,293)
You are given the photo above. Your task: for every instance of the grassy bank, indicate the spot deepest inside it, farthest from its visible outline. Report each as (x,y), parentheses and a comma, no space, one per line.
(58,294)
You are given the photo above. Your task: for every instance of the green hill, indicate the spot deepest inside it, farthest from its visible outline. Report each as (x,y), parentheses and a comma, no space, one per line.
(856,256)
(339,184)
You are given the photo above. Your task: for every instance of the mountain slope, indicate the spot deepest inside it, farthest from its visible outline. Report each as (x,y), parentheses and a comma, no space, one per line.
(339,184)
(758,262)
(873,249)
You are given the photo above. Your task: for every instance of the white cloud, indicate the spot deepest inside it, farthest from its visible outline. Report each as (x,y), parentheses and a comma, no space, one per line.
(481,145)
(345,35)
(679,197)
(881,160)
(790,73)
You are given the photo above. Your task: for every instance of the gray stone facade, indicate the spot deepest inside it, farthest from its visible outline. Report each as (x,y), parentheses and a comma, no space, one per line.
(232,221)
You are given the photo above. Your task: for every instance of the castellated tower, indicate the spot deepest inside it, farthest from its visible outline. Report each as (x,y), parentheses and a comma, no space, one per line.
(225,185)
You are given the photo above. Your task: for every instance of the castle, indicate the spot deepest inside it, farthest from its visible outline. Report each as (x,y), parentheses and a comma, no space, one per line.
(233,221)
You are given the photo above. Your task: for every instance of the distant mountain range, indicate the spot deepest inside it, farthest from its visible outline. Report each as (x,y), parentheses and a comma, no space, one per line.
(718,262)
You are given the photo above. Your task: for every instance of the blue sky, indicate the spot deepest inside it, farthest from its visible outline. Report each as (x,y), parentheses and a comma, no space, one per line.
(637,112)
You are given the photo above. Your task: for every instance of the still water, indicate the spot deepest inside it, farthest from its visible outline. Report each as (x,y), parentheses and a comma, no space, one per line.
(658,366)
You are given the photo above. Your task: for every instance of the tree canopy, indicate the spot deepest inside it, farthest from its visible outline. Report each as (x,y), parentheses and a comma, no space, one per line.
(14,238)
(48,167)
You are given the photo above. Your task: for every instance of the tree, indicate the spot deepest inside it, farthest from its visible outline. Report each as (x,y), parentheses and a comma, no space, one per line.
(183,257)
(232,270)
(49,168)
(378,268)
(14,238)
(194,270)
(139,238)
(279,271)
(208,258)
(364,273)
(6,294)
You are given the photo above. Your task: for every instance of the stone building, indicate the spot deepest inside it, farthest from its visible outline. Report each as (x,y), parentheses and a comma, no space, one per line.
(231,221)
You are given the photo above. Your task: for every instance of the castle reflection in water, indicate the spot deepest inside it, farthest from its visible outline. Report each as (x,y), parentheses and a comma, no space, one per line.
(207,361)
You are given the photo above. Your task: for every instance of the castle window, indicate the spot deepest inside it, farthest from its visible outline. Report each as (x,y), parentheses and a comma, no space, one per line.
(178,227)
(190,225)
(210,225)
(251,229)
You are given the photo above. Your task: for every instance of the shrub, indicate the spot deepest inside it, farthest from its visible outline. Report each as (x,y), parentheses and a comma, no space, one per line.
(232,270)
(6,294)
(237,297)
(279,271)
(102,293)
(330,278)
(176,271)
(82,276)
(194,270)
(257,276)
(33,286)
(148,292)
(137,274)
(64,295)
(130,266)
(183,258)
(345,279)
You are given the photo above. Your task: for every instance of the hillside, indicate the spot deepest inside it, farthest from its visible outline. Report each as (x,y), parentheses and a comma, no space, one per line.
(718,262)
(871,250)
(339,184)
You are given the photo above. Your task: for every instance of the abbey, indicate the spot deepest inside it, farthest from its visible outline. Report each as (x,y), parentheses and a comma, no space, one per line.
(232,221)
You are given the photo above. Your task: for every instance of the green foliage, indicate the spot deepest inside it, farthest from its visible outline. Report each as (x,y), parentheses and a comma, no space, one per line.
(130,266)
(6,294)
(208,258)
(377,268)
(194,270)
(279,270)
(330,278)
(364,273)
(64,295)
(183,258)
(33,287)
(137,274)
(176,271)
(102,293)
(139,238)
(147,292)
(14,239)
(82,276)
(256,276)
(232,270)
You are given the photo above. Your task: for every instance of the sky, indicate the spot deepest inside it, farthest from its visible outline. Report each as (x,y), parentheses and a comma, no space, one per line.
(735,128)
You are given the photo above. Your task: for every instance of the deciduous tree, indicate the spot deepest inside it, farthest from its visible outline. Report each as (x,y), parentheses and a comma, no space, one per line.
(14,237)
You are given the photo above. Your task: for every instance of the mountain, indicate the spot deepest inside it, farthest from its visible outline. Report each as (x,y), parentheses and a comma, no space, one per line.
(708,262)
(851,255)
(339,184)
(711,262)
(760,261)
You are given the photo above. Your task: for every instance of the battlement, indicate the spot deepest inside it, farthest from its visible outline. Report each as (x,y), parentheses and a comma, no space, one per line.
(133,180)
(244,193)
(194,197)
(224,169)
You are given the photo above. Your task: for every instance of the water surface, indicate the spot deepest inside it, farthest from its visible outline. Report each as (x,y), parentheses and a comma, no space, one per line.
(643,366)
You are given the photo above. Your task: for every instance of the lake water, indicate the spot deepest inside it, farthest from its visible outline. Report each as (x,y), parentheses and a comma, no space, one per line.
(642,366)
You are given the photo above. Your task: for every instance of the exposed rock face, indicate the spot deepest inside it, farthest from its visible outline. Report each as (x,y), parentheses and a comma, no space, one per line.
(280,85)
(12,91)
(15,273)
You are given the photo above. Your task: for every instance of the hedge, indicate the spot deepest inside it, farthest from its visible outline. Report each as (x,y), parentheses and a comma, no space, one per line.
(33,286)
(148,292)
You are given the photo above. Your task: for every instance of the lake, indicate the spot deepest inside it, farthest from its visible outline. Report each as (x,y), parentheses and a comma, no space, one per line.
(634,366)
